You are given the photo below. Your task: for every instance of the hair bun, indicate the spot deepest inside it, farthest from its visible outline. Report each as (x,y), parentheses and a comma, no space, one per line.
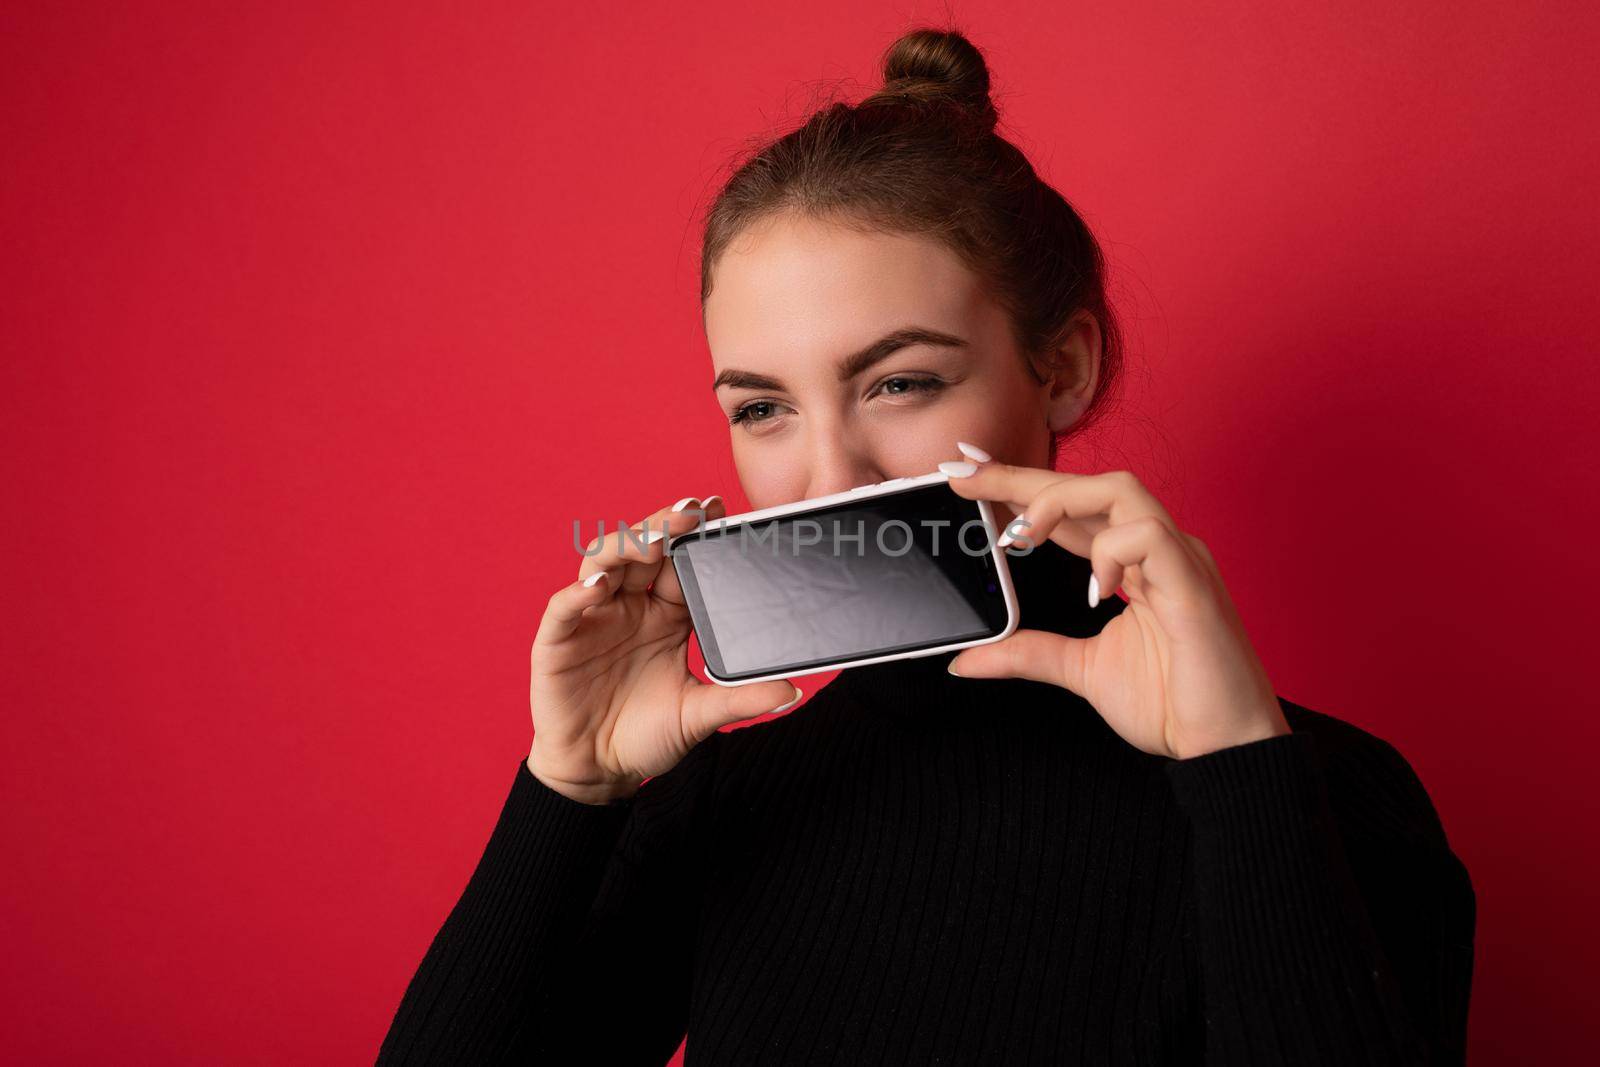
(937,63)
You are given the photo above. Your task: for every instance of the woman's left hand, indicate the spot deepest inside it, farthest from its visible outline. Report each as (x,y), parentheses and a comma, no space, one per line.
(1174,673)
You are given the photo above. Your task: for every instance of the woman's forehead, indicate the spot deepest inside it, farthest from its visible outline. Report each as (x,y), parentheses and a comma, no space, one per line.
(813,287)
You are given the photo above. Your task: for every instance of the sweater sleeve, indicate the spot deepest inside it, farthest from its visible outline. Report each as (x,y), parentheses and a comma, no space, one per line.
(1335,924)
(571,936)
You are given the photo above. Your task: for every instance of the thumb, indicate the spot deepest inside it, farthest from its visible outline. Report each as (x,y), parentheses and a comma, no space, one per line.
(1037,655)
(707,707)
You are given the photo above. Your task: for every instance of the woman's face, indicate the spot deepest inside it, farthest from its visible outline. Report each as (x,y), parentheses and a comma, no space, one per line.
(846,358)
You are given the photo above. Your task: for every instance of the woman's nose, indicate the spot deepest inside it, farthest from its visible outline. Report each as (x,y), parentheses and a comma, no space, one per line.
(840,481)
(827,488)
(839,461)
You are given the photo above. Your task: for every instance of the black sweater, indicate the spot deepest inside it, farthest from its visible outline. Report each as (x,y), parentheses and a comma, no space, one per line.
(913,868)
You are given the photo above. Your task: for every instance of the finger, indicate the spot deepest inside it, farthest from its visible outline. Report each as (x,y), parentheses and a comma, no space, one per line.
(1117,494)
(1039,655)
(621,548)
(1165,563)
(1003,514)
(1203,553)
(666,585)
(1005,482)
(1071,509)
(642,568)
(1015,488)
(564,611)
(707,707)
(1072,512)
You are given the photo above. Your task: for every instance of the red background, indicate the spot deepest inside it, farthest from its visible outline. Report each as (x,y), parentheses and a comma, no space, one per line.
(322,326)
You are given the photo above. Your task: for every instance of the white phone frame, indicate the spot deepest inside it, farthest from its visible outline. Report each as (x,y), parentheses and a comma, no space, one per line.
(861,492)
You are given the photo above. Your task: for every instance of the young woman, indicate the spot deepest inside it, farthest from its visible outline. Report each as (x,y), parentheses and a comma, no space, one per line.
(1104,839)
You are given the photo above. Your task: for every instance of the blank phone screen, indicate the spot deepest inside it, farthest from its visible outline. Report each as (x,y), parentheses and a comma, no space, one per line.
(892,573)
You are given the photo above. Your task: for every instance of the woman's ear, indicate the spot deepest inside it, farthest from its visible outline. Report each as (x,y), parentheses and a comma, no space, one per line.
(1074,372)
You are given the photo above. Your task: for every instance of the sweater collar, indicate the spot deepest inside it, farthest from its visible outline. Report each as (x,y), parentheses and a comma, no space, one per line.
(1052,587)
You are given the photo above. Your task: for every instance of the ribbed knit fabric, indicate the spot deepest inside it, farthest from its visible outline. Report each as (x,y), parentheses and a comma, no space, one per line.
(915,868)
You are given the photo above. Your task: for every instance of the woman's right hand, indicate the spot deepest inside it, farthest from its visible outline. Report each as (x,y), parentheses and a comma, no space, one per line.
(613,700)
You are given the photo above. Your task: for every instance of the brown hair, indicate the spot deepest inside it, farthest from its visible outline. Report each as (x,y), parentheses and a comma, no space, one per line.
(921,156)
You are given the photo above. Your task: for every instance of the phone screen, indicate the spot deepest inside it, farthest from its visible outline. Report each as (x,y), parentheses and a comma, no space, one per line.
(891,573)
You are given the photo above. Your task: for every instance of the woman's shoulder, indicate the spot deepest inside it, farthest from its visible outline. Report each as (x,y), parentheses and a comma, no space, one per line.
(1369,782)
(1391,831)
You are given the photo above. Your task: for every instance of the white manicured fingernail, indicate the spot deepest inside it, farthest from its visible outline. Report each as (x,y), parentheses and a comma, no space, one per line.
(653,536)
(1094,590)
(588,583)
(957,468)
(791,702)
(1007,537)
(685,502)
(973,452)
(706,503)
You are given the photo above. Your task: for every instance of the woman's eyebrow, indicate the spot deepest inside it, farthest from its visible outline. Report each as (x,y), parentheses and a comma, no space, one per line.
(853,364)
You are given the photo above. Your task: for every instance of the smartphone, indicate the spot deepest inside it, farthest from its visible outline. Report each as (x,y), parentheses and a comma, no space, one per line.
(891,570)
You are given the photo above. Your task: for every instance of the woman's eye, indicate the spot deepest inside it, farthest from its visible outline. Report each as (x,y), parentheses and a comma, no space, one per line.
(911,385)
(754,411)
(757,411)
